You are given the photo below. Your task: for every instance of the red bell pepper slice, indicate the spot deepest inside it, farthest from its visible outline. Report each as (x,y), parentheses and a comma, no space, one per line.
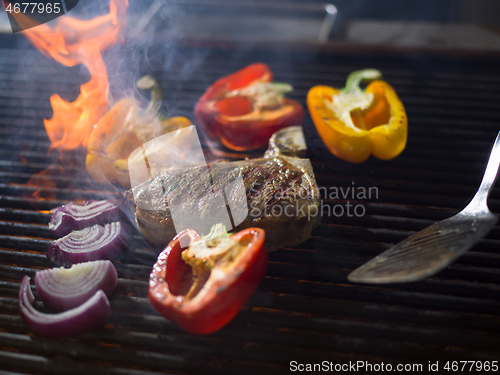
(244,109)
(204,286)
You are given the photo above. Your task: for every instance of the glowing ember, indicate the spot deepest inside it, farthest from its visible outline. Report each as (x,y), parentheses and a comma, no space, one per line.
(72,42)
(47,179)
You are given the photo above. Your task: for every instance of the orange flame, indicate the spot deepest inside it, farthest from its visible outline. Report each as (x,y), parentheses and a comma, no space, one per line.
(72,42)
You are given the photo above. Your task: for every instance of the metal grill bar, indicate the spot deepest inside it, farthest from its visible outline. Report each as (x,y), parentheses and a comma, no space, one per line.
(304,310)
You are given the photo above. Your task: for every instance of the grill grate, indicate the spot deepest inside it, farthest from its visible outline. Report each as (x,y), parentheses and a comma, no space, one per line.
(304,310)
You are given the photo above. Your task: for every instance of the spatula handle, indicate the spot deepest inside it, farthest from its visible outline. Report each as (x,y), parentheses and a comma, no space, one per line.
(489,178)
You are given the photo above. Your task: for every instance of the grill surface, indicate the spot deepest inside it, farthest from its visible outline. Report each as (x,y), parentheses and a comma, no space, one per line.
(305,310)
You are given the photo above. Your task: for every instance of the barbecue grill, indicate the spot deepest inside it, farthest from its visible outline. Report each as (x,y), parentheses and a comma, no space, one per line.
(305,310)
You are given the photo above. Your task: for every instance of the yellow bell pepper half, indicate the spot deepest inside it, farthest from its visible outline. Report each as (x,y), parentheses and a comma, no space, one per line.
(355,123)
(125,127)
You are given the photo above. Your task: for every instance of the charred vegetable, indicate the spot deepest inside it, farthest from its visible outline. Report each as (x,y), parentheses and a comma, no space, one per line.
(84,318)
(289,141)
(243,109)
(355,123)
(92,243)
(74,216)
(62,289)
(123,129)
(203,287)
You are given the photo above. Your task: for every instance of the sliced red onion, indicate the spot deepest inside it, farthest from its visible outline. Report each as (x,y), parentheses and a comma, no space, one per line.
(62,289)
(92,243)
(74,216)
(84,318)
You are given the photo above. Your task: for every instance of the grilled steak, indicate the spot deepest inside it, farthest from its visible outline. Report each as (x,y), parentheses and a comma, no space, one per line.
(278,194)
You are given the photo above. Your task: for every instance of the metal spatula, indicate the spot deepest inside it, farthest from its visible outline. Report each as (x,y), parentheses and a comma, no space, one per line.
(433,248)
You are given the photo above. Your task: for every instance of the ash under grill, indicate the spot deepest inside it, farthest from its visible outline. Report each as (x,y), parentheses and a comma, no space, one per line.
(305,310)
